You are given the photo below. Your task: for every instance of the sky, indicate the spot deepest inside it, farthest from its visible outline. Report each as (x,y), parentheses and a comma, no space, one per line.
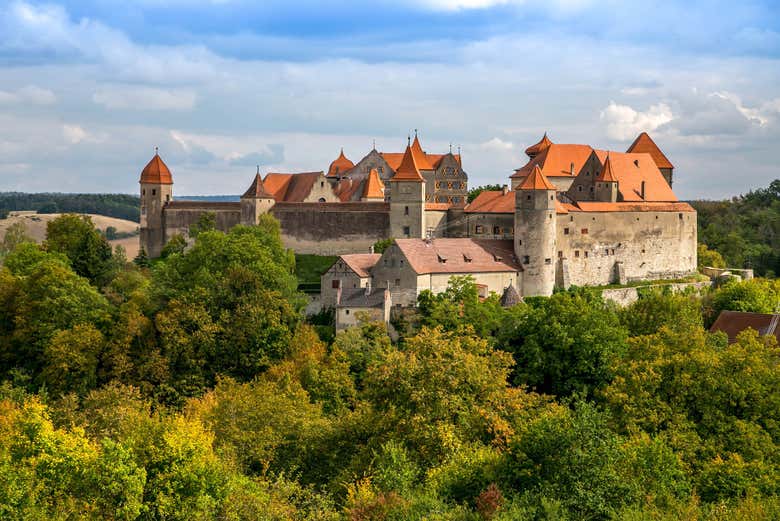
(89,88)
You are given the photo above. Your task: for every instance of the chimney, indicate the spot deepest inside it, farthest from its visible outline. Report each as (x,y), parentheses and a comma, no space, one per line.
(505,189)
(642,190)
(368,287)
(338,295)
(572,170)
(371,249)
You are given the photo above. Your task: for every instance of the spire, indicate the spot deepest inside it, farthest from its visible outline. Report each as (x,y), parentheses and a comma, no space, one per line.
(408,169)
(257,190)
(340,165)
(536,180)
(607,175)
(156,171)
(420,157)
(373,187)
(510,297)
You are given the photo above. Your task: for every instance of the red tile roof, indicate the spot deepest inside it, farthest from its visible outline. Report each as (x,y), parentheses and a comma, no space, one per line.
(644,144)
(347,187)
(408,170)
(257,189)
(420,158)
(438,206)
(734,322)
(450,255)
(538,147)
(156,172)
(536,181)
(340,165)
(373,188)
(492,201)
(630,170)
(361,263)
(557,161)
(290,187)
(393,159)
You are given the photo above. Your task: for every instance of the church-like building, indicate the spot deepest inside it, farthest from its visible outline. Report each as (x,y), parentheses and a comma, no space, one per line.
(574,215)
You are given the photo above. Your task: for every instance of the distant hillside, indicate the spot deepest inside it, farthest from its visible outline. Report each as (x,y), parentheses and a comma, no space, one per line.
(744,230)
(35,228)
(120,206)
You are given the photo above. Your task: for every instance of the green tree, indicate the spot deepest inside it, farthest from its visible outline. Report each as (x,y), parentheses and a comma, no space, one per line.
(756,296)
(709,258)
(207,222)
(565,344)
(88,251)
(15,235)
(656,308)
(175,245)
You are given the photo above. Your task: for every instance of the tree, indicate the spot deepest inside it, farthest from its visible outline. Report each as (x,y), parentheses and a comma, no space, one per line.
(657,308)
(381,245)
(88,251)
(15,235)
(207,222)
(709,258)
(755,296)
(565,344)
(175,245)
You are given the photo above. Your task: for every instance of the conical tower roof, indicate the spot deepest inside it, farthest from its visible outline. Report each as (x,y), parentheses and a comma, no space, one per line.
(374,188)
(510,297)
(257,190)
(536,180)
(340,165)
(535,149)
(156,172)
(607,175)
(408,169)
(420,157)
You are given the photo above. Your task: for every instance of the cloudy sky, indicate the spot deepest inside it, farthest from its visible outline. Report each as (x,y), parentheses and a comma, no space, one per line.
(88,88)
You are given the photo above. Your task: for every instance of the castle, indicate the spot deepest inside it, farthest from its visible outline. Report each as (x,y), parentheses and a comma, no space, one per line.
(574,215)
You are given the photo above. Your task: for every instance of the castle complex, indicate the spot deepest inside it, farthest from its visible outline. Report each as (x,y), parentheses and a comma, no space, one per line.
(574,215)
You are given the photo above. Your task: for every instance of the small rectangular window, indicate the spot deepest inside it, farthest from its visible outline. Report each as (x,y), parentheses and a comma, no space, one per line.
(397,283)
(479,229)
(548,261)
(407,231)
(586,254)
(576,253)
(566,231)
(346,312)
(496,230)
(526,259)
(336,284)
(584,231)
(406,210)
(560,254)
(154,191)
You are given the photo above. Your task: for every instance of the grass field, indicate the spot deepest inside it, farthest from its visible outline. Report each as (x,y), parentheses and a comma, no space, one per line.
(308,268)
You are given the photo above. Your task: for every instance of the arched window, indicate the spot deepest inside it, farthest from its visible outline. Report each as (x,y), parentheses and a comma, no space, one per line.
(321,200)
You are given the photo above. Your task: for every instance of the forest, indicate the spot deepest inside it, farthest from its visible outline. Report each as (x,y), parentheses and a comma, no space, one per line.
(121,206)
(191,387)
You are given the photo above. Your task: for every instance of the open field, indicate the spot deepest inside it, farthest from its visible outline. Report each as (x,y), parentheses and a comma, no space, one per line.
(36,228)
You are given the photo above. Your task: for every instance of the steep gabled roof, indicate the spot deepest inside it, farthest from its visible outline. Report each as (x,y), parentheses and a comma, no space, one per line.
(156,172)
(459,255)
(408,169)
(644,144)
(630,170)
(256,190)
(361,263)
(535,149)
(373,188)
(360,298)
(290,187)
(510,297)
(606,175)
(557,161)
(536,181)
(340,165)
(734,322)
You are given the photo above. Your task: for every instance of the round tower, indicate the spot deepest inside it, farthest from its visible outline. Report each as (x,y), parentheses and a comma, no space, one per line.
(156,191)
(535,233)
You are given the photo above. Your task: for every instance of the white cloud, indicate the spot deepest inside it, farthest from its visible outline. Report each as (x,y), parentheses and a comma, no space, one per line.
(754,115)
(624,123)
(74,134)
(30,94)
(136,97)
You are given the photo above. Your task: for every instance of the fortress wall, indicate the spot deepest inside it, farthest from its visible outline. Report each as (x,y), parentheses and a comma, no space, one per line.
(332,228)
(179,216)
(650,245)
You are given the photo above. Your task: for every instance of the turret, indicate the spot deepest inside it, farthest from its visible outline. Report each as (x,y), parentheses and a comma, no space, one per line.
(535,149)
(156,191)
(255,201)
(606,189)
(340,165)
(535,230)
(374,188)
(407,199)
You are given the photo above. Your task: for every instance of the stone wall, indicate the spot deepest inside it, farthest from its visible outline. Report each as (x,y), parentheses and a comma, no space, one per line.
(649,245)
(179,216)
(332,228)
(393,271)
(714,273)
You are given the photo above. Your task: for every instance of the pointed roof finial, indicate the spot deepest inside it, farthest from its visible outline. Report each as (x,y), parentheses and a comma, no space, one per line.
(258,169)
(373,141)
(458,149)
(415,132)
(156,151)
(408,140)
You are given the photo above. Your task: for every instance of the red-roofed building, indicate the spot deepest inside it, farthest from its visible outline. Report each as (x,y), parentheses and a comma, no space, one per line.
(643,144)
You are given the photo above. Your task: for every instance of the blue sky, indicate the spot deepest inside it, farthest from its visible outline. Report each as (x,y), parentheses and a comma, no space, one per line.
(89,88)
